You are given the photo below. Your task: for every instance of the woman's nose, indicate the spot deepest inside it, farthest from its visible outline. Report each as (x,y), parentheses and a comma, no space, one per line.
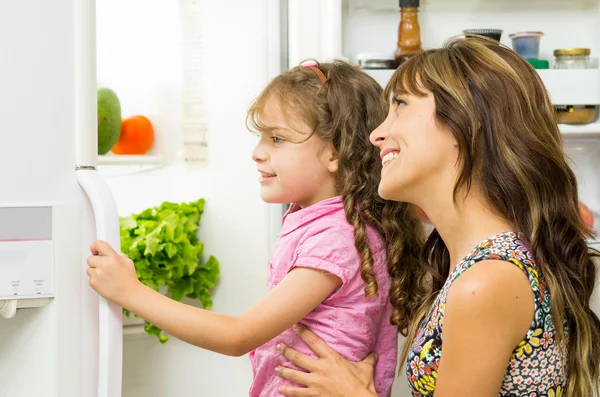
(379,134)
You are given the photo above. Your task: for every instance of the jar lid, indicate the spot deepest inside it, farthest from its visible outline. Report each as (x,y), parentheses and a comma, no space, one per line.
(482,31)
(525,34)
(375,56)
(572,51)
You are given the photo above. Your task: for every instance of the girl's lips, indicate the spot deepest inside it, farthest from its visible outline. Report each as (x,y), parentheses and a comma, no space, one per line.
(265,177)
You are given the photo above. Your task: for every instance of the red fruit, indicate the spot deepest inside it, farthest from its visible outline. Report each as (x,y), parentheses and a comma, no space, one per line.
(586,215)
(137,136)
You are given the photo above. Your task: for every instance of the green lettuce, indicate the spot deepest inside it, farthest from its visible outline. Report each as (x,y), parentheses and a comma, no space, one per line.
(163,244)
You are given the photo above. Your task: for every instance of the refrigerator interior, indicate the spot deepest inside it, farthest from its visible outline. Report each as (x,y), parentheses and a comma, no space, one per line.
(140,57)
(144,66)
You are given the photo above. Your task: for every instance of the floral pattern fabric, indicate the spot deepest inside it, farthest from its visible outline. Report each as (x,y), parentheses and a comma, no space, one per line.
(538,365)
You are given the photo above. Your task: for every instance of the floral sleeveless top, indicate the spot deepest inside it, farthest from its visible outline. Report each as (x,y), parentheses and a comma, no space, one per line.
(538,365)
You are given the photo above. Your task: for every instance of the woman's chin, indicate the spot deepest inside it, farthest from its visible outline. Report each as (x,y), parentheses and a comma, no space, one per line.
(388,194)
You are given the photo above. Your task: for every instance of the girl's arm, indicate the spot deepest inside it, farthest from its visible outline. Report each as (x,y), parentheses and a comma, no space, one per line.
(488,312)
(302,290)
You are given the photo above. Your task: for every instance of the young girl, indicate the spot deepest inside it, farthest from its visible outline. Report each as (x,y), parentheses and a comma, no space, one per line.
(328,269)
(502,307)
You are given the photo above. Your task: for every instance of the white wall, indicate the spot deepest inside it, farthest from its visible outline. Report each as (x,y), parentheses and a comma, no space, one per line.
(138,56)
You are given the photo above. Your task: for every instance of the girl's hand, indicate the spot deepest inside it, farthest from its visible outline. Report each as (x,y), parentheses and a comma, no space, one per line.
(330,375)
(111,275)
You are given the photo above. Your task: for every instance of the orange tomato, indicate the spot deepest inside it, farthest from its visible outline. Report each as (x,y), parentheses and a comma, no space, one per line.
(137,136)
(586,215)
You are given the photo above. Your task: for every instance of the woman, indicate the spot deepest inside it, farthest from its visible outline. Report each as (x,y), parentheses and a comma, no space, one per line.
(502,305)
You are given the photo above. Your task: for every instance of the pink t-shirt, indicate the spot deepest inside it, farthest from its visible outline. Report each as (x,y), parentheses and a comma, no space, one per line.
(320,237)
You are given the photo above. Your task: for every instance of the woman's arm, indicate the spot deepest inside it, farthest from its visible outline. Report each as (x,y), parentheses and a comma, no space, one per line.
(113,277)
(328,376)
(488,312)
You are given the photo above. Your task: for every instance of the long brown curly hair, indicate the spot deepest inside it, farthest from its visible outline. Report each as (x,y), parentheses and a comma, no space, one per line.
(497,108)
(343,112)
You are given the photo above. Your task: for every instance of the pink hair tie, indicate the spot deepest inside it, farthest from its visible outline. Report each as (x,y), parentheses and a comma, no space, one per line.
(312,65)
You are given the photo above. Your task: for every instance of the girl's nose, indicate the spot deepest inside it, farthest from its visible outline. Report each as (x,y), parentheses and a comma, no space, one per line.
(258,154)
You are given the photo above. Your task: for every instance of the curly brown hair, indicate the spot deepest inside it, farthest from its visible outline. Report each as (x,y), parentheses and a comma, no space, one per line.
(342,112)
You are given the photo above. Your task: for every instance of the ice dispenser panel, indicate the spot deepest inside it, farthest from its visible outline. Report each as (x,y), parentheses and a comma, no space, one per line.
(26,253)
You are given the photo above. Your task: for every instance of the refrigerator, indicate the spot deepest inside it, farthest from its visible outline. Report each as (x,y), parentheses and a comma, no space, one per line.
(183,64)
(57,337)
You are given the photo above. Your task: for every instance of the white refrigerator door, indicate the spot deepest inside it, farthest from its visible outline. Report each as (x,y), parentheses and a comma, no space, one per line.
(47,98)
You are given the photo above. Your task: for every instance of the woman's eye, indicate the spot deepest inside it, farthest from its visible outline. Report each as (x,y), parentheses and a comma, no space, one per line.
(398,103)
(276,139)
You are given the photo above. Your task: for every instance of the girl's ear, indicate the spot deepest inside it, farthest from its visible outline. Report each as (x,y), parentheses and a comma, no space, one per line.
(333,164)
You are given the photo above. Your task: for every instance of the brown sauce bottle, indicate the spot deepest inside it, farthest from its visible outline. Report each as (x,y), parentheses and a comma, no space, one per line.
(409,32)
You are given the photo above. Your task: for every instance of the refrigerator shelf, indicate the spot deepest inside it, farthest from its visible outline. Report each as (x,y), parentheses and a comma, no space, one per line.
(113,164)
(580,130)
(133,326)
(130,159)
(453,5)
(131,331)
(566,87)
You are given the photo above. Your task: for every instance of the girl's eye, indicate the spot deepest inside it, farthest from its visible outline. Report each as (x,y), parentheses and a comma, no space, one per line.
(398,102)
(276,139)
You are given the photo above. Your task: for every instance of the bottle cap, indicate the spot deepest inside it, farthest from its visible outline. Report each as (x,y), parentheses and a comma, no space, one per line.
(409,3)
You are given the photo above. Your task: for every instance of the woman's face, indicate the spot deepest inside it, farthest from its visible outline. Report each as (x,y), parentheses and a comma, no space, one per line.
(419,156)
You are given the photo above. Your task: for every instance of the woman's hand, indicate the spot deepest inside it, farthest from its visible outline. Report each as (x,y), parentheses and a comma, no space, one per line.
(111,275)
(330,375)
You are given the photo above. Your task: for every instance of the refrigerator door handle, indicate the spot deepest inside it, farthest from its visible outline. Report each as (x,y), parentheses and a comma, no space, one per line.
(110,332)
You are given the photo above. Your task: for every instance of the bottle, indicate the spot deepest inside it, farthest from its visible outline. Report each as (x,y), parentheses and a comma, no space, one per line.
(409,32)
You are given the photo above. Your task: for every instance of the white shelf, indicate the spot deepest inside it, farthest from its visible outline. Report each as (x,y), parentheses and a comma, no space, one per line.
(122,164)
(134,331)
(133,326)
(387,5)
(572,86)
(566,87)
(580,130)
(130,159)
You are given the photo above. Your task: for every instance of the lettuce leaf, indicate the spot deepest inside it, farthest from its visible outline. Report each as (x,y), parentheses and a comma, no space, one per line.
(164,246)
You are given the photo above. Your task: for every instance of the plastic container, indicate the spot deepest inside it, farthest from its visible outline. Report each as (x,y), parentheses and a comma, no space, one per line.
(371,60)
(494,34)
(576,114)
(539,63)
(572,58)
(527,44)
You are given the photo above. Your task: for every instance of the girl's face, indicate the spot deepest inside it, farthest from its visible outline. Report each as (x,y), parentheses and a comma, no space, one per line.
(419,157)
(291,172)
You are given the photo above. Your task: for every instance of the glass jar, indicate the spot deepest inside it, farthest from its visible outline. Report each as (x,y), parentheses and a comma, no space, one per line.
(572,58)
